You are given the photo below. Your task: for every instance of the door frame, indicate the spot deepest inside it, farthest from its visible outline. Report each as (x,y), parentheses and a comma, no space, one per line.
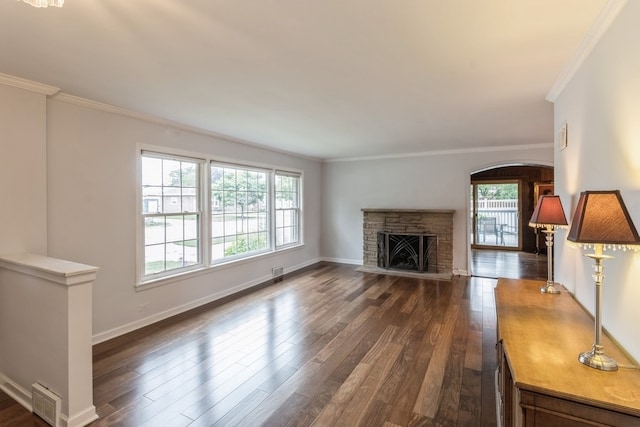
(473,215)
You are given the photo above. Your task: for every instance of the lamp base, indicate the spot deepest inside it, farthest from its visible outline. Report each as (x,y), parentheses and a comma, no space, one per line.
(550,288)
(596,358)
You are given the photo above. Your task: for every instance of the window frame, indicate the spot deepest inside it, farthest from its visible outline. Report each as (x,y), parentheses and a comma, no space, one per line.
(267,195)
(298,209)
(206,262)
(199,212)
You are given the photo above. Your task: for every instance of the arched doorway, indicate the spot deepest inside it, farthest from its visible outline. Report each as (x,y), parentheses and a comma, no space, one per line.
(502,200)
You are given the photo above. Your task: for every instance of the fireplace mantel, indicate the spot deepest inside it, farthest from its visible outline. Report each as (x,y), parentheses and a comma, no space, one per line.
(407,221)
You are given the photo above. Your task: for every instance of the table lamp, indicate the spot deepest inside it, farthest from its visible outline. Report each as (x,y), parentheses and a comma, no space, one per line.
(549,216)
(601,220)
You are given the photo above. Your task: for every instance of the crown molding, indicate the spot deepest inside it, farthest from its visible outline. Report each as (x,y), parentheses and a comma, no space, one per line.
(446,152)
(607,15)
(30,85)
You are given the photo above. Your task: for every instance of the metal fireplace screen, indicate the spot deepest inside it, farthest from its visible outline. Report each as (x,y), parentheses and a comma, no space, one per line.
(408,252)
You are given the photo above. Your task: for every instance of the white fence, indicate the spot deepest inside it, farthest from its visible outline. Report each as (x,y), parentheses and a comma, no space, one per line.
(506,214)
(509,204)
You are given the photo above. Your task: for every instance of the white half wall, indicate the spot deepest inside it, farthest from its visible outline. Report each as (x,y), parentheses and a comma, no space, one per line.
(436,181)
(92,160)
(601,106)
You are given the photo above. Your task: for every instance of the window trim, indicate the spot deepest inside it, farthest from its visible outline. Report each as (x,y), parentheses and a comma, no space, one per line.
(206,263)
(269,190)
(141,277)
(291,174)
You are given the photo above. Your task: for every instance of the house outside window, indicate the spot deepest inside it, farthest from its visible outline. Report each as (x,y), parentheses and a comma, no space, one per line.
(171,213)
(193,217)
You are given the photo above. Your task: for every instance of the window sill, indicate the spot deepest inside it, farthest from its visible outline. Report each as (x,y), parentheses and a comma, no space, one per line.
(167,280)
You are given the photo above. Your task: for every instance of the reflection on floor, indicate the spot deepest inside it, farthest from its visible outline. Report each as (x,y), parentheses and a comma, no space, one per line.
(509,264)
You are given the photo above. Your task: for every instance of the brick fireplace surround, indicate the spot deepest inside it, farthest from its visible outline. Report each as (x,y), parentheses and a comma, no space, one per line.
(399,221)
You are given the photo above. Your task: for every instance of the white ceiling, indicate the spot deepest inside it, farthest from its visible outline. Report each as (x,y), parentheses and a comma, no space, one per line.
(322,78)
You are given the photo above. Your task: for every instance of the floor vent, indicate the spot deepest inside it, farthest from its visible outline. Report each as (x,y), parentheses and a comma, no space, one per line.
(45,404)
(277,272)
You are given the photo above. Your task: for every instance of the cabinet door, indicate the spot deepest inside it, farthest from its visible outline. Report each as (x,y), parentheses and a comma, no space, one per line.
(506,390)
(546,411)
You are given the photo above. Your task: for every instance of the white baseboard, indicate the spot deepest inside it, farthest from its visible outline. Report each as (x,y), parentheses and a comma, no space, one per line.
(80,419)
(130,327)
(343,261)
(23,397)
(17,392)
(459,272)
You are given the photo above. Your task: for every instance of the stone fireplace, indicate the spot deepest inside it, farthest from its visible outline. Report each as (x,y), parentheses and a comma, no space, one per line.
(408,240)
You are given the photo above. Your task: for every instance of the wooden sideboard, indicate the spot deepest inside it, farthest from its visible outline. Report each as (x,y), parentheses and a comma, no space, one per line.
(540,381)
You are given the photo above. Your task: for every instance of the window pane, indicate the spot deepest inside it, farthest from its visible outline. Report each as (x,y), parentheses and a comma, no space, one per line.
(217,247)
(262,222)
(252,224)
(217,225)
(217,181)
(191,227)
(230,246)
(241,193)
(229,178)
(191,253)
(170,186)
(241,180)
(154,259)
(230,203)
(171,175)
(189,175)
(175,228)
(287,198)
(230,228)
(154,230)
(152,199)
(151,171)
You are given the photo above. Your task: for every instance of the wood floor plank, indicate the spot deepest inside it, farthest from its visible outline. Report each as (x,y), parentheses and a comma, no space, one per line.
(332,411)
(428,398)
(407,375)
(469,410)
(447,412)
(345,335)
(473,354)
(355,412)
(327,346)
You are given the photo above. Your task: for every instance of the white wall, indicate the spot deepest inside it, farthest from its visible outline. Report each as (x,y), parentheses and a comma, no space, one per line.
(23,210)
(601,106)
(439,181)
(91,157)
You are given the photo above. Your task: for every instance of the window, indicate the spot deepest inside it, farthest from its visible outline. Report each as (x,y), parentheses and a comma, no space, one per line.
(171,213)
(195,217)
(287,209)
(239,211)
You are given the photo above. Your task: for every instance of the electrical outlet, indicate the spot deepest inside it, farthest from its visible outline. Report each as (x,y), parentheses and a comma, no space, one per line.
(143,307)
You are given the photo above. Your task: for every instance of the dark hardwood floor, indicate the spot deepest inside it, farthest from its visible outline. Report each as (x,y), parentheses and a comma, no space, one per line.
(329,346)
(508,264)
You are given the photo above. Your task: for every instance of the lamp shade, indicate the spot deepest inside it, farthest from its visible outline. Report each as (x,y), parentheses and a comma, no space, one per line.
(548,211)
(602,217)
